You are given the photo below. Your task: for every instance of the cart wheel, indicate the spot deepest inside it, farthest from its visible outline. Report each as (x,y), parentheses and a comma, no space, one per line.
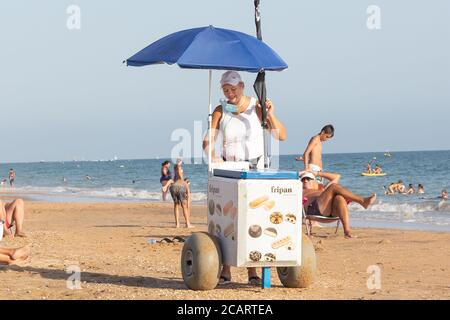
(201,260)
(303,276)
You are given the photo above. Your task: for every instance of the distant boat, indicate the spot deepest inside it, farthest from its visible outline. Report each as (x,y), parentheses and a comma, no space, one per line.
(387,154)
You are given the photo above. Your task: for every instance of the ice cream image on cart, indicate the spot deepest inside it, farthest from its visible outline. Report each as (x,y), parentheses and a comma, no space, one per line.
(254,216)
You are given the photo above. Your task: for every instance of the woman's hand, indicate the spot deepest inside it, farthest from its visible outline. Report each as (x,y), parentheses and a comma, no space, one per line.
(269,108)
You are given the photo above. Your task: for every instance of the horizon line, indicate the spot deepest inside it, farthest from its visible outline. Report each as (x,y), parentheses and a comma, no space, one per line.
(162,157)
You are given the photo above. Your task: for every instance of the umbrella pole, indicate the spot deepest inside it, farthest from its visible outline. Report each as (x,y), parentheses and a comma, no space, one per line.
(209,126)
(266,148)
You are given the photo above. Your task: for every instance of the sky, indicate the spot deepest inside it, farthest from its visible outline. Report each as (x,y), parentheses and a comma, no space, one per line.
(65,94)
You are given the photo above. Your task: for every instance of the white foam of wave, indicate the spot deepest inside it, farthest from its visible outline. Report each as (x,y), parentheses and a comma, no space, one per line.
(106,193)
(425,206)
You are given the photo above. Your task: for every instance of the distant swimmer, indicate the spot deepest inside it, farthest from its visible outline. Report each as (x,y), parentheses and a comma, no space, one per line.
(389,190)
(420,188)
(410,189)
(3,182)
(377,169)
(395,187)
(444,195)
(400,186)
(369,167)
(12,177)
(64,179)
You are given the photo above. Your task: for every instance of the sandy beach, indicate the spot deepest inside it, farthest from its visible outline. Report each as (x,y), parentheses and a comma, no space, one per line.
(108,242)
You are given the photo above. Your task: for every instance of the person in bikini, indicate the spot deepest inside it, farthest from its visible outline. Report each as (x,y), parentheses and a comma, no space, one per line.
(12,177)
(165,179)
(181,194)
(332,200)
(312,157)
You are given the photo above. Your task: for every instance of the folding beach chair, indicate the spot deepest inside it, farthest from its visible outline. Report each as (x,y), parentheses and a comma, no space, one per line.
(308,219)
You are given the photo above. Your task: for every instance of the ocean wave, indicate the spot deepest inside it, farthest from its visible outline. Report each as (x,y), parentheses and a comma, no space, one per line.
(424,206)
(105,193)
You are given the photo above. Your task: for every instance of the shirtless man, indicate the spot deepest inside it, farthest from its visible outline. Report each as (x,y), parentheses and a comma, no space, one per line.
(313,153)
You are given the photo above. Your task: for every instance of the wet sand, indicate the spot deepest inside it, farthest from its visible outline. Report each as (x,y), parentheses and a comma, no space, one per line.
(108,243)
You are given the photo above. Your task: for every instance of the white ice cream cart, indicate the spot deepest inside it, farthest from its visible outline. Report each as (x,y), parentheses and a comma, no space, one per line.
(254,220)
(254,217)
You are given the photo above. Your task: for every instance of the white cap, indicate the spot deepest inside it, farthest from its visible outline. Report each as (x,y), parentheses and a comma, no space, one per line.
(307,174)
(230,77)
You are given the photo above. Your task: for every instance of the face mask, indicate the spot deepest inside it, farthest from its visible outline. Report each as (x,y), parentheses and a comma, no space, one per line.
(228,107)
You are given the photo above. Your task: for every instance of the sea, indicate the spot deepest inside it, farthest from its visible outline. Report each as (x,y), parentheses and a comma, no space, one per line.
(119,180)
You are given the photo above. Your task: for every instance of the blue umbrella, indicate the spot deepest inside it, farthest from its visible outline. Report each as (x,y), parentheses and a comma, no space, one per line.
(212,48)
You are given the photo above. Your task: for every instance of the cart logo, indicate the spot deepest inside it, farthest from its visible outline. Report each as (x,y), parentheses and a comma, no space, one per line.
(280,190)
(213,189)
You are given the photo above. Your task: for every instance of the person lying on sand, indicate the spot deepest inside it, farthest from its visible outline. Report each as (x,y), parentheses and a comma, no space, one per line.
(13,213)
(14,256)
(332,201)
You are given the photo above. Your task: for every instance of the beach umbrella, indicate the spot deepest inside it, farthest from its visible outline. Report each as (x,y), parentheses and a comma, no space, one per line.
(213,49)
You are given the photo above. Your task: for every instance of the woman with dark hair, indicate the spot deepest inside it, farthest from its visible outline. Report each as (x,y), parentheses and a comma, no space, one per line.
(410,189)
(180,192)
(420,188)
(166,178)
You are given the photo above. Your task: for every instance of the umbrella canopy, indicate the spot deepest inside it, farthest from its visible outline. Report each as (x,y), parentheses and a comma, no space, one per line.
(210,48)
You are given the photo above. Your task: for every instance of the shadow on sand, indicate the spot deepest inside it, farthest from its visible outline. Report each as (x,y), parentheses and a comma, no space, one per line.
(129,281)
